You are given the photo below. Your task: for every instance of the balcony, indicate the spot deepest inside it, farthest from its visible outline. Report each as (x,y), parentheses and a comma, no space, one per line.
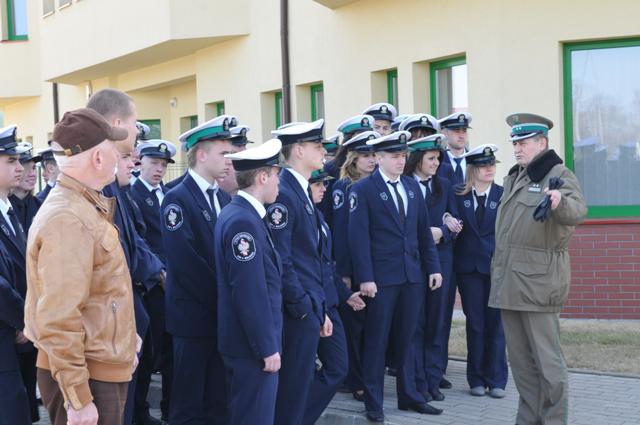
(93,39)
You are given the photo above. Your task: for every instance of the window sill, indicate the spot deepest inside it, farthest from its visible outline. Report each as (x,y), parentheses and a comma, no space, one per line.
(64,6)
(46,15)
(609,221)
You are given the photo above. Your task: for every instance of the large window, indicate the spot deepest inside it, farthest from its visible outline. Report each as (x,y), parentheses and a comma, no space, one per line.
(601,107)
(448,80)
(317,101)
(279,108)
(48,7)
(155,129)
(17,19)
(220,108)
(392,88)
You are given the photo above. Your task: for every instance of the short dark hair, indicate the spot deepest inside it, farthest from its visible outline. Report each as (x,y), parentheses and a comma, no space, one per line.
(111,103)
(244,179)
(286,151)
(192,153)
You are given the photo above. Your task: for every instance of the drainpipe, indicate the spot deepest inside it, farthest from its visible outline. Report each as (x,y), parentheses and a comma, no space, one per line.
(56,104)
(284,47)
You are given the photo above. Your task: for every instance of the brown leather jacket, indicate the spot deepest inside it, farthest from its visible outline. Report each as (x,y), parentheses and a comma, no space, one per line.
(79,305)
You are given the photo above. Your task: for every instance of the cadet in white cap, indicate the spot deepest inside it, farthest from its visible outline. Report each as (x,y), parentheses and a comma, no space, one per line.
(384,114)
(454,127)
(24,203)
(250,288)
(395,125)
(420,125)
(50,171)
(239,140)
(331,145)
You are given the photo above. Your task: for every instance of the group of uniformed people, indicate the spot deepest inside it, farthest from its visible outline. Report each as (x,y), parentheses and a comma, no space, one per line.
(335,261)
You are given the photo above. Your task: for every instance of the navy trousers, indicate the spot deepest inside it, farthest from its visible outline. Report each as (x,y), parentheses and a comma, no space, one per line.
(450,303)
(394,307)
(301,337)
(199,393)
(162,346)
(486,346)
(252,392)
(431,335)
(142,381)
(14,404)
(27,360)
(332,352)
(353,322)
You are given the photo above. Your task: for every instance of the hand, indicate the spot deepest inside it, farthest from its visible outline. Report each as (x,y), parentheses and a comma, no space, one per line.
(272,363)
(556,197)
(453,224)
(355,302)
(20,338)
(435,281)
(88,415)
(327,328)
(163,278)
(436,232)
(134,364)
(347,281)
(368,289)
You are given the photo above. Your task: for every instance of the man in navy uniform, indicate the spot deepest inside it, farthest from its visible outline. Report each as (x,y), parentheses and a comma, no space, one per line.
(50,169)
(455,129)
(239,142)
(250,288)
(14,403)
(295,226)
(384,115)
(393,256)
(189,214)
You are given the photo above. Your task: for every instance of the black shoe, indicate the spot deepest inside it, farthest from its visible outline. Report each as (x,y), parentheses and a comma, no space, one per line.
(375,416)
(358,396)
(391,371)
(445,385)
(148,420)
(436,395)
(424,408)
(427,396)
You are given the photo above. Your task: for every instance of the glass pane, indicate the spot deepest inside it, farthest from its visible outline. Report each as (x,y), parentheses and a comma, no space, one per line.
(64,2)
(394,91)
(20,17)
(279,107)
(154,127)
(452,90)
(319,101)
(220,108)
(605,101)
(48,6)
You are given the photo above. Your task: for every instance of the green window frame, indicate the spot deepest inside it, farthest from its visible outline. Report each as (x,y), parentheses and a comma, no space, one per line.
(11,24)
(155,128)
(316,90)
(220,108)
(193,121)
(598,211)
(434,67)
(277,97)
(392,88)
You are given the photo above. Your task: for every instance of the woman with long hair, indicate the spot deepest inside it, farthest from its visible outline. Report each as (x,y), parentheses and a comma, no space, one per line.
(478,200)
(432,336)
(359,162)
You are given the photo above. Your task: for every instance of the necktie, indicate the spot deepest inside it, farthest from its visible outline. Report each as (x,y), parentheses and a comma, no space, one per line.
(317,218)
(400,201)
(481,208)
(458,170)
(212,194)
(21,238)
(154,193)
(425,183)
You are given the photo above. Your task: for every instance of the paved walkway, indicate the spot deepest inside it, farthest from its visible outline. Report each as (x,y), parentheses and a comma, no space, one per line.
(594,400)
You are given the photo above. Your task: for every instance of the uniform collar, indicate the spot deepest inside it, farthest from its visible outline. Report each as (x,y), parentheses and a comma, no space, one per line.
(303,182)
(104,205)
(4,206)
(486,192)
(148,186)
(254,203)
(202,183)
(387,179)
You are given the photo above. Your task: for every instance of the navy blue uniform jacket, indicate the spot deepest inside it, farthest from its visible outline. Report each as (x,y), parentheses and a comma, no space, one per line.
(437,206)
(294,225)
(25,208)
(187,233)
(11,314)
(249,284)
(150,207)
(475,245)
(339,200)
(336,292)
(383,252)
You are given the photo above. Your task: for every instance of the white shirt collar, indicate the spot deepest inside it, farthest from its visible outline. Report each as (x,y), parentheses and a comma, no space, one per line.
(452,156)
(202,183)
(486,192)
(387,179)
(51,183)
(148,186)
(4,206)
(419,180)
(254,203)
(303,182)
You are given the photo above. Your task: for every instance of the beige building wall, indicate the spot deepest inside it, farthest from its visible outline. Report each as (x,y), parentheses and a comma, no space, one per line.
(513,50)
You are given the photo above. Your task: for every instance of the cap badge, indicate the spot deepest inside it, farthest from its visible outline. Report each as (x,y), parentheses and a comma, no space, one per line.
(384,109)
(365,122)
(461,118)
(243,132)
(403,137)
(162,147)
(487,151)
(225,124)
(423,120)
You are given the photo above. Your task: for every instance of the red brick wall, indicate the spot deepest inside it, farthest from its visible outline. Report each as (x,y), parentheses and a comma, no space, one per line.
(605,271)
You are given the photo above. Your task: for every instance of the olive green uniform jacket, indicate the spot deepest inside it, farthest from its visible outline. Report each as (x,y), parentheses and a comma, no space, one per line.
(530,270)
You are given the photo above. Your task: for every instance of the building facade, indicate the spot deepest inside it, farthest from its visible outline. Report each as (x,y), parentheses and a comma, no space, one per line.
(186,61)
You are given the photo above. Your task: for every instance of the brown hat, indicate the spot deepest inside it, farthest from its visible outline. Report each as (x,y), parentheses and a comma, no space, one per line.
(82,129)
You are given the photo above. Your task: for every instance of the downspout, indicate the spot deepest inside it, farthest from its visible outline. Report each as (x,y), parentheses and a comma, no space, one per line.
(284,48)
(56,104)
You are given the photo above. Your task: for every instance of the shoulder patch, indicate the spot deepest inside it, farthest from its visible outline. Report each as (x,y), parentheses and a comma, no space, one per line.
(278,216)
(338,199)
(353,201)
(173,217)
(244,246)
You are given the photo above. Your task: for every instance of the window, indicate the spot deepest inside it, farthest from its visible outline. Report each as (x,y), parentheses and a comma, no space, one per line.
(601,99)
(448,80)
(154,127)
(279,108)
(220,108)
(317,101)
(63,3)
(17,19)
(392,88)
(48,6)
(187,123)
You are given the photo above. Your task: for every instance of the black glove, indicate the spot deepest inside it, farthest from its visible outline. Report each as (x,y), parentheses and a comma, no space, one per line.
(543,210)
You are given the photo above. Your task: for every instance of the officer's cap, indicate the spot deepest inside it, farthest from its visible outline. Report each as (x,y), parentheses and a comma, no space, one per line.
(320,176)
(46,154)
(264,155)
(157,148)
(356,123)
(419,121)
(331,144)
(358,142)
(29,154)
(482,155)
(9,144)
(214,129)
(394,142)
(239,135)
(429,143)
(456,120)
(524,126)
(143,131)
(395,125)
(382,111)
(302,132)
